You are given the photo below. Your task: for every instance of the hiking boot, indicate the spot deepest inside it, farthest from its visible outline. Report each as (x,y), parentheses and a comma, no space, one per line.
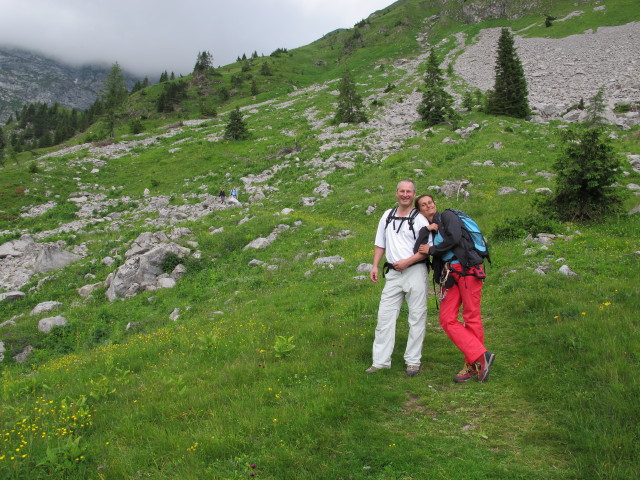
(483,364)
(468,372)
(373,369)
(413,370)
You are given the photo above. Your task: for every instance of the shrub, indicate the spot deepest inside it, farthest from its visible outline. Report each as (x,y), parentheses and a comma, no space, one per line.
(587,170)
(169,262)
(519,227)
(135,126)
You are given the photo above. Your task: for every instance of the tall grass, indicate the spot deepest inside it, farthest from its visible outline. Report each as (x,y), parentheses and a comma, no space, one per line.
(210,396)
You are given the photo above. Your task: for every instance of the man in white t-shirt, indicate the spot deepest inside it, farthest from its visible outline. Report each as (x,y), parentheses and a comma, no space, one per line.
(406,279)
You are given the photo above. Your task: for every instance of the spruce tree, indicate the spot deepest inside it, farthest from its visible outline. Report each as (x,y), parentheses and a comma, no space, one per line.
(509,95)
(265,70)
(350,108)
(437,104)
(587,170)
(595,109)
(113,94)
(236,128)
(204,63)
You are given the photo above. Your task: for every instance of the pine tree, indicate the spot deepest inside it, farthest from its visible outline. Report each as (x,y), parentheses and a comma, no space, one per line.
(587,170)
(265,70)
(350,108)
(113,95)
(509,95)
(3,145)
(595,109)
(204,63)
(437,104)
(236,129)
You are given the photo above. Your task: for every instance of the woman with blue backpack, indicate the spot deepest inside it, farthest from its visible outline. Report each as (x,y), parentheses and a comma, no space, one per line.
(458,252)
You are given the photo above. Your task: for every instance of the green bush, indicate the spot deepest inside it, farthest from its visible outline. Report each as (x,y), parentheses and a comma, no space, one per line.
(169,262)
(519,227)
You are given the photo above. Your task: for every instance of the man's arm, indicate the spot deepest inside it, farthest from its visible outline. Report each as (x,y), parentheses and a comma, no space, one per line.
(378,253)
(405,263)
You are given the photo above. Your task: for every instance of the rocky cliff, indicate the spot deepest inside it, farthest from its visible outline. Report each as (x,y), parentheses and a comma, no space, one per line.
(26,77)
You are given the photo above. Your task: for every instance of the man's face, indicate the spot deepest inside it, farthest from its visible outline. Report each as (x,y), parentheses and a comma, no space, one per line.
(406,193)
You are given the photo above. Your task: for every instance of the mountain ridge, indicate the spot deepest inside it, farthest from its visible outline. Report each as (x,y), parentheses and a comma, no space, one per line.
(29,77)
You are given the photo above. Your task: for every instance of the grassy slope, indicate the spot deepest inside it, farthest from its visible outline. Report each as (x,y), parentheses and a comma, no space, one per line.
(205,397)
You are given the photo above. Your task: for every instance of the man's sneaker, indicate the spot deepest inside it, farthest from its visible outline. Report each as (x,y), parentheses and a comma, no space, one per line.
(413,370)
(483,364)
(372,369)
(468,372)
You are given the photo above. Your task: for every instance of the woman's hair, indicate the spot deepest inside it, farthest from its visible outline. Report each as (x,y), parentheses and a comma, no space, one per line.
(417,202)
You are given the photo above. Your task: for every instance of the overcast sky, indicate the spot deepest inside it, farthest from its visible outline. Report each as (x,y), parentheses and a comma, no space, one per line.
(147,37)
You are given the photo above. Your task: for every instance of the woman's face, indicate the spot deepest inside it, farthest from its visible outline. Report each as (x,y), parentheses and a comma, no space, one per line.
(427,207)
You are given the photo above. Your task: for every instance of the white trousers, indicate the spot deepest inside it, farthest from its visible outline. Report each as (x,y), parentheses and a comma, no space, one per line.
(409,285)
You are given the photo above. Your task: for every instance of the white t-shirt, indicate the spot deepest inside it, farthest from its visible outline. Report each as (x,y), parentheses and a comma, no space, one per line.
(399,245)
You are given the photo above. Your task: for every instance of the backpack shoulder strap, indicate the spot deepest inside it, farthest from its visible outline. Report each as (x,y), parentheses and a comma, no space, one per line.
(390,217)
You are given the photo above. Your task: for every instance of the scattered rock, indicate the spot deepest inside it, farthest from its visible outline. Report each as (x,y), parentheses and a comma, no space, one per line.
(24,354)
(565,270)
(45,307)
(328,260)
(46,324)
(87,290)
(364,268)
(11,296)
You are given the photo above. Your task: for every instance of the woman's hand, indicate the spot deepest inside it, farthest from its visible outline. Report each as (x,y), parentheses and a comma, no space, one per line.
(424,248)
(433,227)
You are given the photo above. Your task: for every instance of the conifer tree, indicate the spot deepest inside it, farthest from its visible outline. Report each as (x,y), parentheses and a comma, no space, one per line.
(265,70)
(113,94)
(587,169)
(3,144)
(509,94)
(236,129)
(350,108)
(595,109)
(204,63)
(437,104)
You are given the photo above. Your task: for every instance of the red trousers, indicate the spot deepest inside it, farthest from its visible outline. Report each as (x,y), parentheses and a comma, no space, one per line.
(467,335)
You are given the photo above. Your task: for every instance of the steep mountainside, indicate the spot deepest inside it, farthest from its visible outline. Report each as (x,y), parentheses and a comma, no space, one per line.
(27,77)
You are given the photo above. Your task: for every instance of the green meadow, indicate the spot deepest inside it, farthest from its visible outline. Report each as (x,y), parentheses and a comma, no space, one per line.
(262,373)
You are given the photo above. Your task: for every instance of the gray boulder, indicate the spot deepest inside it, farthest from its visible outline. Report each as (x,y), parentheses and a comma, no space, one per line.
(51,257)
(328,260)
(24,354)
(11,296)
(45,307)
(46,324)
(141,272)
(87,290)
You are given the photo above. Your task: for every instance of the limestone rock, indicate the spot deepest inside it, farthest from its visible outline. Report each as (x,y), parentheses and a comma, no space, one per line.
(24,354)
(45,307)
(11,296)
(565,270)
(46,324)
(328,260)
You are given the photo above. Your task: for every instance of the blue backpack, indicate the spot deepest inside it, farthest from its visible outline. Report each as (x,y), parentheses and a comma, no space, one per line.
(472,237)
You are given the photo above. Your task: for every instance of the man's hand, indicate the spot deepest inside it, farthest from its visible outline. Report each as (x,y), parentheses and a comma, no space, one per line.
(403,264)
(373,274)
